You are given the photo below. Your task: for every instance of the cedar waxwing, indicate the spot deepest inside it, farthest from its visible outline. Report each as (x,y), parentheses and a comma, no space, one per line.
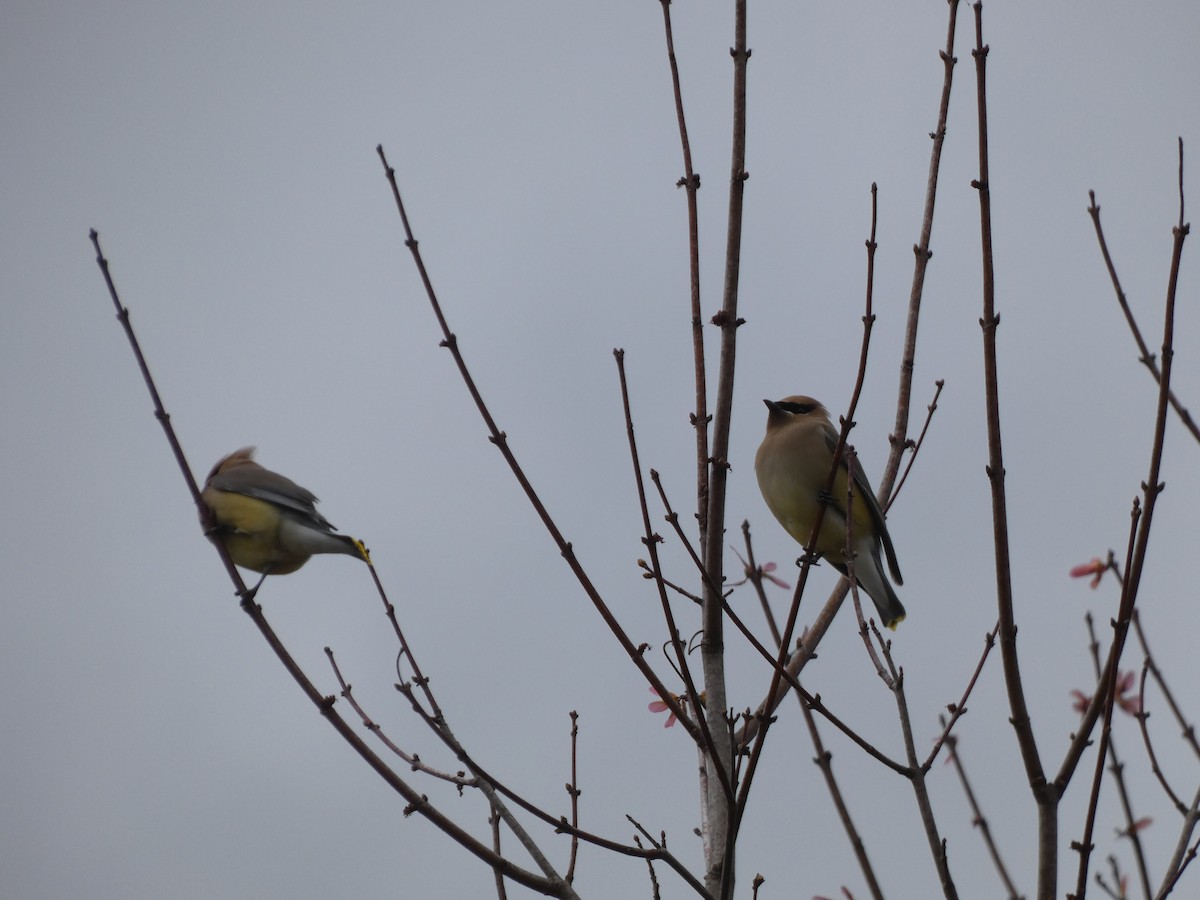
(793,465)
(269,523)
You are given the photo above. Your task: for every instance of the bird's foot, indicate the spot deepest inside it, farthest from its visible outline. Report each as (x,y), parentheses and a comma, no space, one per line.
(248,594)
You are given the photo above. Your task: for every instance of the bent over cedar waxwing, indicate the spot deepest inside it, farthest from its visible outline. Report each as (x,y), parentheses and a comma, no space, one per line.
(793,465)
(267,522)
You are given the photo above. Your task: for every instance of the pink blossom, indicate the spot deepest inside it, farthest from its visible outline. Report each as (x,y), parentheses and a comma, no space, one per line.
(1096,568)
(764,571)
(1127,697)
(657,706)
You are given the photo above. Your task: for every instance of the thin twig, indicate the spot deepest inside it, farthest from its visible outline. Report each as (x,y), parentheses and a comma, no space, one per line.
(1151,488)
(823,758)
(1117,770)
(917,775)
(916,446)
(574,792)
(978,819)
(848,550)
(655,894)
(1150,668)
(494,822)
(922,254)
(700,728)
(957,710)
(500,440)
(755,574)
(412,760)
(1081,739)
(1183,854)
(1143,717)
(1045,798)
(1145,357)
(690,182)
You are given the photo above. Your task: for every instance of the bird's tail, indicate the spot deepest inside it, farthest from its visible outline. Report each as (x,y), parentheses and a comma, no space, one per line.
(871,578)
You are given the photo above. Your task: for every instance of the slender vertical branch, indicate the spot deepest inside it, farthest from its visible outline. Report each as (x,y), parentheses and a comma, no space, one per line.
(1183,853)
(980,820)
(1045,798)
(720,871)
(823,758)
(1151,488)
(1145,357)
(922,254)
(1082,739)
(698,727)
(755,575)
(918,776)
(1117,769)
(573,790)
(690,182)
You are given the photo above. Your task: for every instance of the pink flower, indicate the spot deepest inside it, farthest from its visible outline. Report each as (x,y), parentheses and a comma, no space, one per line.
(1127,697)
(657,706)
(1096,568)
(1140,825)
(764,571)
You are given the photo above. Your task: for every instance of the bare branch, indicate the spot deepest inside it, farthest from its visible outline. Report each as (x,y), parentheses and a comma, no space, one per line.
(1045,798)
(957,710)
(1145,357)
(574,792)
(920,786)
(690,182)
(699,727)
(922,254)
(721,833)
(500,440)
(978,818)
(1151,488)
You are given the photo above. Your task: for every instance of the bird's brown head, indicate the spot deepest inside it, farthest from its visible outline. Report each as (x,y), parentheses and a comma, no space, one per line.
(794,408)
(236,458)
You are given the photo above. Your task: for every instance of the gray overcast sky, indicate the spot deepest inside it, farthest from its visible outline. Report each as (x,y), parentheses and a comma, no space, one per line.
(153,747)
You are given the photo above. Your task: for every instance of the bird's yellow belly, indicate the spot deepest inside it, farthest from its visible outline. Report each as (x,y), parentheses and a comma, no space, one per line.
(796,508)
(249,529)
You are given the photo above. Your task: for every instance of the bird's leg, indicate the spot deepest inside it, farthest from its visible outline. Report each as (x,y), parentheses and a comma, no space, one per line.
(813,559)
(248,595)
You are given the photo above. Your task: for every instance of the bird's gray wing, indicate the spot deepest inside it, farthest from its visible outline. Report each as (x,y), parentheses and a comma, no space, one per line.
(867,494)
(252,480)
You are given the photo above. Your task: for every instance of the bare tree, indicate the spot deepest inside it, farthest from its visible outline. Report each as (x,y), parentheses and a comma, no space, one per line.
(730,742)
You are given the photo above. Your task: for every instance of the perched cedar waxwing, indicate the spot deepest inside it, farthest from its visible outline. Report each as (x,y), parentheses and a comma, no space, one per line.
(269,523)
(793,465)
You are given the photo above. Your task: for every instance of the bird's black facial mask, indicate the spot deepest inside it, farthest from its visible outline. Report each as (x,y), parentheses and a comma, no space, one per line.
(797,409)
